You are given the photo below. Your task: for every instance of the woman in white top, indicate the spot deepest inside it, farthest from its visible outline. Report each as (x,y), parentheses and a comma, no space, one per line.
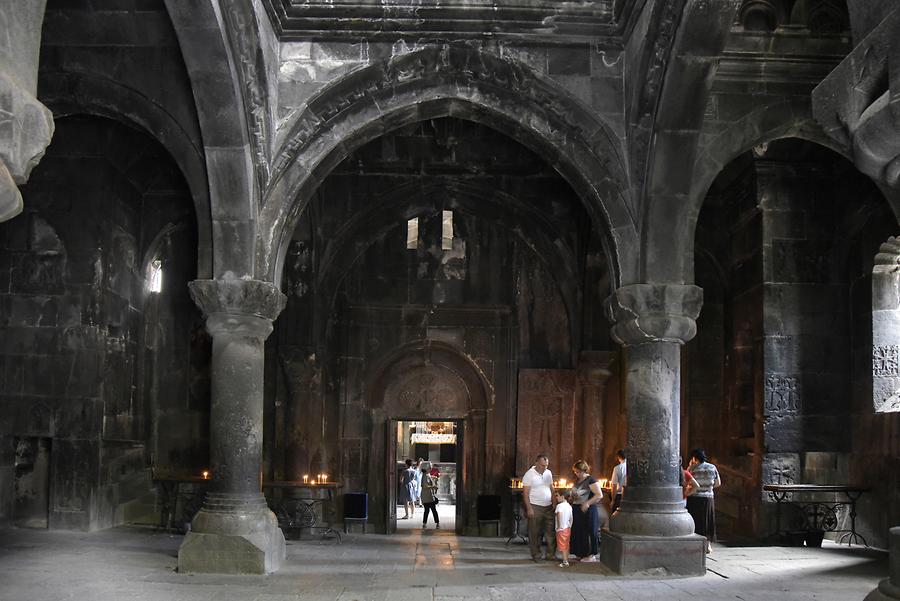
(701,502)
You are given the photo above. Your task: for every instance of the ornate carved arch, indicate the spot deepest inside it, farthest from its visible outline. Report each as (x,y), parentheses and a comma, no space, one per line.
(225,61)
(420,364)
(453,81)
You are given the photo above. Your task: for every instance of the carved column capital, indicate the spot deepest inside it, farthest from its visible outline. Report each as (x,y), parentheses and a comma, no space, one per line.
(238,297)
(644,313)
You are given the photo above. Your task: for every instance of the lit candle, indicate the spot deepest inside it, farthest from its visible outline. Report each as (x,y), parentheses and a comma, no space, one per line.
(325,478)
(306,478)
(205,475)
(562,482)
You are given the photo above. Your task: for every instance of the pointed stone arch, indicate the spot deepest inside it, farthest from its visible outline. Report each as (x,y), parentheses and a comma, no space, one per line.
(462,82)
(788,119)
(67,93)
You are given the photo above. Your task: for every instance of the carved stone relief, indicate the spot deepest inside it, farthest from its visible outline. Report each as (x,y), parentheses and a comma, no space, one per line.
(427,391)
(885,325)
(782,395)
(886,360)
(546,418)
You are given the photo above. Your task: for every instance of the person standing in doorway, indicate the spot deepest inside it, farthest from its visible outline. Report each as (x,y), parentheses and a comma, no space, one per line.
(701,504)
(618,481)
(418,499)
(537,497)
(408,490)
(428,495)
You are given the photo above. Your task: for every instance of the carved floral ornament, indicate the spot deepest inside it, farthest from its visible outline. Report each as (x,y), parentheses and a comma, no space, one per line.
(817,16)
(429,391)
(461,70)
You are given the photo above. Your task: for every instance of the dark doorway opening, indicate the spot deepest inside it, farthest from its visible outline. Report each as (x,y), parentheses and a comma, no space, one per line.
(31,507)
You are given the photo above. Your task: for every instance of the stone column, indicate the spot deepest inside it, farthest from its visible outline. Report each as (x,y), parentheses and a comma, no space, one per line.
(889,588)
(651,529)
(28,124)
(593,373)
(235,532)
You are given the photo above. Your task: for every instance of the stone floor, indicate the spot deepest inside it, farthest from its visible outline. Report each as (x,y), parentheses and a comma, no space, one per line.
(139,564)
(446,513)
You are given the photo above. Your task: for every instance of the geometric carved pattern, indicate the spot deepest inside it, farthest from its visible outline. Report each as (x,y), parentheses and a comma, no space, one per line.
(886,360)
(782,394)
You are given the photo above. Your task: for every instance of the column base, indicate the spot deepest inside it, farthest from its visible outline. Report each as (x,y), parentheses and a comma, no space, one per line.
(886,591)
(249,546)
(631,553)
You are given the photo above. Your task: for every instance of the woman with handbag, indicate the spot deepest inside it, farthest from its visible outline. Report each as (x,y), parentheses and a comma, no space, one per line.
(429,495)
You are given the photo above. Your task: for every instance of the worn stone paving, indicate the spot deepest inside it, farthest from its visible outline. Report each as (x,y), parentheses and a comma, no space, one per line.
(135,563)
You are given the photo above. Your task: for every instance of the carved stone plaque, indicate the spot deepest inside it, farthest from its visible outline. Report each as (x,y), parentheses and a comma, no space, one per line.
(428,391)
(546,419)
(886,360)
(782,395)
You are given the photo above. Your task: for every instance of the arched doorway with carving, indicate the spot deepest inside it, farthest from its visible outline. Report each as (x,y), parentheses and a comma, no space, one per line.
(428,380)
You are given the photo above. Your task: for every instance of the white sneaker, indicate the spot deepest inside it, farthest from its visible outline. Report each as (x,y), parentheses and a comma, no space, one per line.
(590,559)
(564,564)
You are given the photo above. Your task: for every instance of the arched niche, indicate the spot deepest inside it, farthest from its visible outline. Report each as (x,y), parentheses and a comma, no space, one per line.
(427,380)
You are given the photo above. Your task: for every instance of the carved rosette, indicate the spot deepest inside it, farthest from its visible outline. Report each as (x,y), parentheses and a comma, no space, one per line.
(643,313)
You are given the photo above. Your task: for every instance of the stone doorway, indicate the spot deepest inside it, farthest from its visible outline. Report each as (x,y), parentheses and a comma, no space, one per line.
(438,442)
(32,489)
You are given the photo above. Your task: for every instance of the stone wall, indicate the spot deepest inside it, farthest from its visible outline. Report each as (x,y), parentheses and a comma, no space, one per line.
(506,292)
(72,291)
(795,229)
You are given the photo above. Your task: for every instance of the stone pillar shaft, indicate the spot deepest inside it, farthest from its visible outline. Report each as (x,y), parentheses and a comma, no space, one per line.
(651,528)
(236,414)
(235,532)
(652,505)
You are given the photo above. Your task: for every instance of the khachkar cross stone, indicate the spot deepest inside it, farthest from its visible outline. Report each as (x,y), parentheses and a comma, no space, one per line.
(886,360)
(782,394)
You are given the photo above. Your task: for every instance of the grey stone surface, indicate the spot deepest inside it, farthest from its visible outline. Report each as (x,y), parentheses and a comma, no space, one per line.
(139,563)
(636,555)
(889,588)
(27,125)
(235,532)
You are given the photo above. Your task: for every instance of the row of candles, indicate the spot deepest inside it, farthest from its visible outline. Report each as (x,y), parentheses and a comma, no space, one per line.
(561,483)
(317,479)
(517,483)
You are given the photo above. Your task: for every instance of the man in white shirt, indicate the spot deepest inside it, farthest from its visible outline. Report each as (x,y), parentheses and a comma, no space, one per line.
(537,498)
(618,481)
